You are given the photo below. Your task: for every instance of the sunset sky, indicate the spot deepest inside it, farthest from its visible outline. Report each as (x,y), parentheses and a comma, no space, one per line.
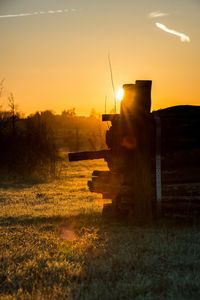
(54,53)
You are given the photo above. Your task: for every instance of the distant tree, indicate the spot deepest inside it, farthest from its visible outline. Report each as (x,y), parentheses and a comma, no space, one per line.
(69,113)
(47,115)
(13,110)
(12,104)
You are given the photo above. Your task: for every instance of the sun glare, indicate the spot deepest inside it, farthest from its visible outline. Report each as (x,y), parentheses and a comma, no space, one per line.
(120,94)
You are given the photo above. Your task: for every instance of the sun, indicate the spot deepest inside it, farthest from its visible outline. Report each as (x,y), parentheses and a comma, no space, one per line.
(120,94)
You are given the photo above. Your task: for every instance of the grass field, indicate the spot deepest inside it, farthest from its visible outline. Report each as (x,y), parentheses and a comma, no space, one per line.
(54,245)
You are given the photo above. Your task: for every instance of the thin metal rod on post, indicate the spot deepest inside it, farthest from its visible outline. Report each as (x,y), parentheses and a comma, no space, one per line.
(158,165)
(112,81)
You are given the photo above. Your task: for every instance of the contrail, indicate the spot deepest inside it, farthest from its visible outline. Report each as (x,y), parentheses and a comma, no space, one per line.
(157,14)
(58,11)
(182,36)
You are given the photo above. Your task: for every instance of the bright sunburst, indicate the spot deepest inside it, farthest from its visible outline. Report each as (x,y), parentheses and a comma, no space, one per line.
(120,94)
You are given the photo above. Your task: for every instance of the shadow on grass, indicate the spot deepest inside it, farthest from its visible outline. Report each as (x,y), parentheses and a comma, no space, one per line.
(18,185)
(95,218)
(80,219)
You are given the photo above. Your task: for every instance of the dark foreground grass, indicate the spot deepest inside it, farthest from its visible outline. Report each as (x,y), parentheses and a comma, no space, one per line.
(54,245)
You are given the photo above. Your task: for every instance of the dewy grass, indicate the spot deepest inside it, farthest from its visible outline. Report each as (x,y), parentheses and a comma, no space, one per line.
(54,245)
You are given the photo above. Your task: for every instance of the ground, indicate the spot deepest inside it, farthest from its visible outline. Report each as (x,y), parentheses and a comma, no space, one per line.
(55,245)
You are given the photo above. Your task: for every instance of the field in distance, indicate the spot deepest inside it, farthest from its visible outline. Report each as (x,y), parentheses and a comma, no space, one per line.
(55,245)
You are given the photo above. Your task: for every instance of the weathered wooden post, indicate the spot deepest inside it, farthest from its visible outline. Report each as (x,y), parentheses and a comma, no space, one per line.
(135,146)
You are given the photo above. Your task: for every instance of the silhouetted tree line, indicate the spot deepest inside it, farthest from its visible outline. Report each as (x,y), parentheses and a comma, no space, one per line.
(27,148)
(30,146)
(73,132)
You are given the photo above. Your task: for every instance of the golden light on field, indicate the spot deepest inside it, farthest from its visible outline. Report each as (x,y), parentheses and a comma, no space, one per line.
(120,94)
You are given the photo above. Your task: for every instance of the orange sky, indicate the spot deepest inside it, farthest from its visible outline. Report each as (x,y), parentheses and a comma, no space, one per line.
(59,60)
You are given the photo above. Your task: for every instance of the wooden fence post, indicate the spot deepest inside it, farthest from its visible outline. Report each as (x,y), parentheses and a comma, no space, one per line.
(135,141)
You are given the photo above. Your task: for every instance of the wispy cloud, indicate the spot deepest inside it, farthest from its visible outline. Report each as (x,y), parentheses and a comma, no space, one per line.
(58,11)
(183,37)
(157,14)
